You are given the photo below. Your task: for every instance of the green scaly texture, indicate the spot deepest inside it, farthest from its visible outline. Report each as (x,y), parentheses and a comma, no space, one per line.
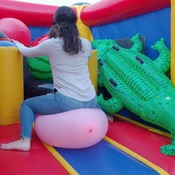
(137,83)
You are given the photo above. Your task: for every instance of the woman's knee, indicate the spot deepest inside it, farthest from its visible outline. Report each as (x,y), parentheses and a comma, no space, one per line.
(27,102)
(25,105)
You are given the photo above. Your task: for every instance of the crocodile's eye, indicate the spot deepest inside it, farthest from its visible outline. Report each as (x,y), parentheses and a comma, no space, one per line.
(116,48)
(100,62)
(113,82)
(139,60)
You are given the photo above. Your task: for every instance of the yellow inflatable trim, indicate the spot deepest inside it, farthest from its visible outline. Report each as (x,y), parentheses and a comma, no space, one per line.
(61,160)
(135,155)
(11,85)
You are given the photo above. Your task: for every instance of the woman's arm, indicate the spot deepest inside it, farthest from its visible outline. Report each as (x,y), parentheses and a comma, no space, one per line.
(42,49)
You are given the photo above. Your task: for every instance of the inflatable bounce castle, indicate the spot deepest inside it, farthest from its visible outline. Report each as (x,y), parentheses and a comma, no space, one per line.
(132,69)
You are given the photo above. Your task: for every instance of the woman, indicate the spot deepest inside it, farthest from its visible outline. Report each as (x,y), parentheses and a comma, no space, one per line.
(68,55)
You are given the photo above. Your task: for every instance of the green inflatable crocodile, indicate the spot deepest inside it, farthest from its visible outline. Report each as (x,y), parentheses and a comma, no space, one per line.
(139,84)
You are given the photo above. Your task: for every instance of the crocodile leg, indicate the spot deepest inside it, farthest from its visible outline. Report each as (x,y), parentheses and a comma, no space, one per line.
(110,106)
(163,60)
(169,149)
(138,45)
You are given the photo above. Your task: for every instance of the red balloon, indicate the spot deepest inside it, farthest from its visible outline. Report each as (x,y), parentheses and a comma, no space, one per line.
(39,40)
(16,29)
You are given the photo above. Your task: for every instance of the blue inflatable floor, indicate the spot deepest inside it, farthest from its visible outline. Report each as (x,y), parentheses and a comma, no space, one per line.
(104,159)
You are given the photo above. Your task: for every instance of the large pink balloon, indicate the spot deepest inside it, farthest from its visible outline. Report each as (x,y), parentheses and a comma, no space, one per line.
(78,128)
(15,29)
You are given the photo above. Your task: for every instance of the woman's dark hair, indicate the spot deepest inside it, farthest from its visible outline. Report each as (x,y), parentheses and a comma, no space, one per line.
(64,26)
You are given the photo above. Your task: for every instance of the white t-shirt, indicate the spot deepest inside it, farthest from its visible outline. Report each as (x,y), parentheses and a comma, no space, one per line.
(70,72)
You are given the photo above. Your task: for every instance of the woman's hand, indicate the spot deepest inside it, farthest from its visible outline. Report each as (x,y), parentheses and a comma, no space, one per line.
(15,41)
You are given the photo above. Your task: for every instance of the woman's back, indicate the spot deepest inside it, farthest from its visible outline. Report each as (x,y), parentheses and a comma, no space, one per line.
(70,72)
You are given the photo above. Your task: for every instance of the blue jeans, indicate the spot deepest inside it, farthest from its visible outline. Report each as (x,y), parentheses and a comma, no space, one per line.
(48,104)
